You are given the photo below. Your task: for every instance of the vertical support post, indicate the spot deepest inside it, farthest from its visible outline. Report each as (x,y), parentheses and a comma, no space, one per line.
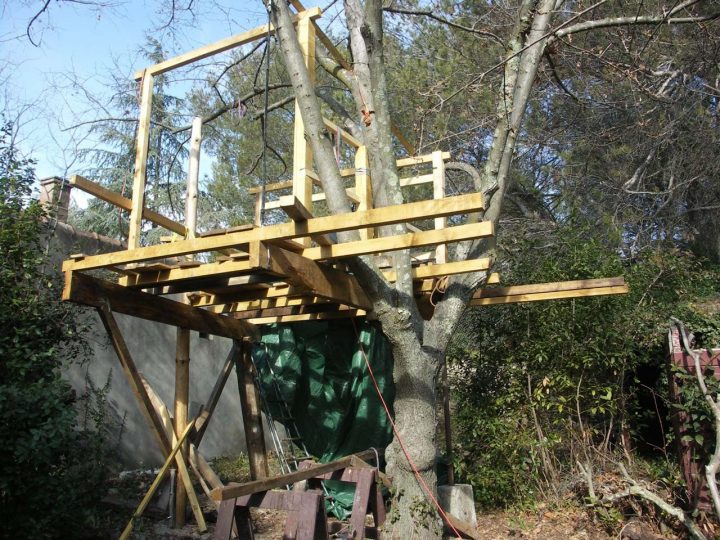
(182,352)
(182,391)
(141,154)
(191,198)
(363,187)
(448,426)
(258,210)
(251,415)
(439,193)
(302,154)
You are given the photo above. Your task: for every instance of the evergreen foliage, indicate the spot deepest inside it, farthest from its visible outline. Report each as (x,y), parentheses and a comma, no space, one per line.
(541,384)
(50,472)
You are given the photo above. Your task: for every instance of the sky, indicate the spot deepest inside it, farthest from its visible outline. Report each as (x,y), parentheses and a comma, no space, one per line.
(77,42)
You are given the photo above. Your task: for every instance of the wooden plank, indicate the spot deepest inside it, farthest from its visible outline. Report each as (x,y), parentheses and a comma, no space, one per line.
(404,241)
(89,291)
(344,135)
(401,163)
(316,197)
(181,401)
(133,376)
(303,309)
(178,274)
(251,416)
(375,217)
(183,474)
(363,187)
(438,174)
(219,46)
(141,153)
(191,197)
(118,200)
(203,418)
(493,278)
(400,136)
(446,269)
(302,152)
(241,295)
(418,160)
(343,312)
(550,287)
(265,304)
(296,211)
(233,491)
(322,281)
(557,295)
(156,483)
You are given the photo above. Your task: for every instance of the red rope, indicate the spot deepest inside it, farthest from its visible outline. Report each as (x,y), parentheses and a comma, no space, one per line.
(419,478)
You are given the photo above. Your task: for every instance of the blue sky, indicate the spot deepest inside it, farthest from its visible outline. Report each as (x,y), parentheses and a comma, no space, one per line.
(80,43)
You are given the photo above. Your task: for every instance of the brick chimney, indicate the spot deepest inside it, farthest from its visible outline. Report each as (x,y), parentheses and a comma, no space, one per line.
(55,196)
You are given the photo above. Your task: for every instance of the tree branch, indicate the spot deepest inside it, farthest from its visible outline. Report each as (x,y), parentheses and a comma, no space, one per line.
(451,24)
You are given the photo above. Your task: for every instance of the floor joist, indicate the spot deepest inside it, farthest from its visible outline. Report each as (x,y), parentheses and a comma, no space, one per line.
(387,215)
(90,291)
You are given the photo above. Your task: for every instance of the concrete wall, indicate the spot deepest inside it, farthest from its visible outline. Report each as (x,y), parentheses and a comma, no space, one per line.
(153,348)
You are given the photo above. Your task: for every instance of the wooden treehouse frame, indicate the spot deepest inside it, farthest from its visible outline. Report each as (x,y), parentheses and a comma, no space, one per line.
(233,280)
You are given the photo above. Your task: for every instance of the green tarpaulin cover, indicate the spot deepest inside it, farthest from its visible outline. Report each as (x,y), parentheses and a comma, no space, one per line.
(321,374)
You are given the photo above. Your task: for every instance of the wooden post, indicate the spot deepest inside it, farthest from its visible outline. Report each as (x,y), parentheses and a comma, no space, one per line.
(141,154)
(191,198)
(252,417)
(302,154)
(448,426)
(363,187)
(439,193)
(182,354)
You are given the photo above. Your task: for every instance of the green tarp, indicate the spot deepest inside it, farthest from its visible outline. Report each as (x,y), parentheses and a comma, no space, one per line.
(321,373)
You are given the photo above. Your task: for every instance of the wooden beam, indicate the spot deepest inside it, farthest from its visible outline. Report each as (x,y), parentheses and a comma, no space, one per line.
(151,278)
(251,416)
(232,491)
(363,187)
(404,241)
(133,376)
(303,309)
(438,174)
(296,211)
(156,483)
(266,303)
(302,151)
(220,46)
(183,474)
(118,200)
(344,135)
(374,217)
(141,153)
(203,418)
(321,280)
(445,269)
(316,197)
(556,286)
(401,163)
(557,295)
(419,160)
(89,291)
(342,312)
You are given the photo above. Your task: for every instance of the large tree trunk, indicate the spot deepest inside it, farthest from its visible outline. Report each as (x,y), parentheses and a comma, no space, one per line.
(415,371)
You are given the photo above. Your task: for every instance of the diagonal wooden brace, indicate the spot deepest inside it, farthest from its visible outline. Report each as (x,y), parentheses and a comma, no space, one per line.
(140,388)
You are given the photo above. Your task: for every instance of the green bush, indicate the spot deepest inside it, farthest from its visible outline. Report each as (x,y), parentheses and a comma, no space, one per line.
(579,366)
(50,471)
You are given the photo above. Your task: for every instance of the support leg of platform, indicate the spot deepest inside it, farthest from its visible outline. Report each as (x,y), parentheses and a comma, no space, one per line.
(251,415)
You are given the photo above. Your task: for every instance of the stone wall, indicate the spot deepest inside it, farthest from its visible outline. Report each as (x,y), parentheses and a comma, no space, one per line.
(153,348)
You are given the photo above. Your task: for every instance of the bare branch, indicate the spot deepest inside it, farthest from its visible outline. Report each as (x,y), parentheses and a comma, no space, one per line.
(451,24)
